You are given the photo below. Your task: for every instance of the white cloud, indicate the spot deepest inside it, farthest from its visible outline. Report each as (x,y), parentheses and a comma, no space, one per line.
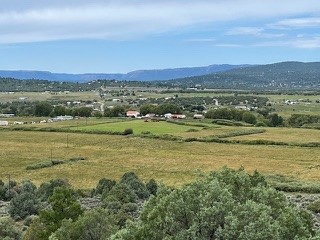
(303,43)
(228,45)
(246,31)
(296,23)
(254,31)
(35,20)
(200,40)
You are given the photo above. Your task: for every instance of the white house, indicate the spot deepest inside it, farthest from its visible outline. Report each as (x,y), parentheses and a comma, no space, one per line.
(198,116)
(4,123)
(168,115)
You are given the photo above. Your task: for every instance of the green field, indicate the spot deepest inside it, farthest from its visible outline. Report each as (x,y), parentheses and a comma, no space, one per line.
(139,126)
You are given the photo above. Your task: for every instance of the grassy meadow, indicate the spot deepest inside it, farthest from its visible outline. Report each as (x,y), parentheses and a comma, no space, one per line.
(139,126)
(171,162)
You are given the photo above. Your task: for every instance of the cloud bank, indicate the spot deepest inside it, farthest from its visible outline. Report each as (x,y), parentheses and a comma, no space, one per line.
(36,20)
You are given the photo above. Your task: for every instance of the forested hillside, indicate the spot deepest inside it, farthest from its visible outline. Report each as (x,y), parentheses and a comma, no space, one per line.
(278,76)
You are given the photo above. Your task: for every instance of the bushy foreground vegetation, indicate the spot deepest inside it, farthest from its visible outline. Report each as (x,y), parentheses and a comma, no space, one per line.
(227,204)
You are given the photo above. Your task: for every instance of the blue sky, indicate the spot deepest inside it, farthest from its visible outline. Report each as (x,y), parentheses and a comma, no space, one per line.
(80,36)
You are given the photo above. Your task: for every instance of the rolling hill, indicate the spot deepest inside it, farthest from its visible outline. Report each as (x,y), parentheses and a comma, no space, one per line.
(277,76)
(139,75)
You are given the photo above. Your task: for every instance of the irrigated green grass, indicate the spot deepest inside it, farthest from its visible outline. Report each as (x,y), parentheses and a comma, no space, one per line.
(139,126)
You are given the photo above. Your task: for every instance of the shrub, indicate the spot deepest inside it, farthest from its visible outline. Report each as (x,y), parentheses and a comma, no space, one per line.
(145,132)
(104,186)
(152,187)
(46,189)
(9,230)
(24,203)
(314,207)
(39,165)
(75,159)
(94,224)
(128,131)
(192,130)
(139,188)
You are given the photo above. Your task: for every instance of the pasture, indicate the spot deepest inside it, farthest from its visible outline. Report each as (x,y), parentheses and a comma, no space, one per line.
(140,126)
(171,162)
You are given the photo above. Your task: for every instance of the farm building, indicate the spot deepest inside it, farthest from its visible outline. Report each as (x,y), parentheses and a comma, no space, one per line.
(133,114)
(198,116)
(168,115)
(178,116)
(149,115)
(4,123)
(7,115)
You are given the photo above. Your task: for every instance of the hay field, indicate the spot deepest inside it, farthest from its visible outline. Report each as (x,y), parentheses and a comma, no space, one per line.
(289,135)
(170,162)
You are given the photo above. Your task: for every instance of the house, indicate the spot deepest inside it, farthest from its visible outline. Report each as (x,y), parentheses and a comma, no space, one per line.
(198,116)
(133,114)
(64,118)
(149,115)
(4,123)
(7,115)
(178,116)
(168,115)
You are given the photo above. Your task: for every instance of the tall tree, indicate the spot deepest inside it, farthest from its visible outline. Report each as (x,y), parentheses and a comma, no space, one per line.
(43,109)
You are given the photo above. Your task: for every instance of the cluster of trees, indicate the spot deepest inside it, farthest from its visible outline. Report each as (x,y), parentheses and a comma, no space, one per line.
(116,111)
(160,109)
(227,204)
(299,120)
(188,103)
(43,109)
(263,118)
(232,114)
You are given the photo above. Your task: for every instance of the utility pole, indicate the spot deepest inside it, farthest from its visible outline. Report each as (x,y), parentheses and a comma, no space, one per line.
(9,185)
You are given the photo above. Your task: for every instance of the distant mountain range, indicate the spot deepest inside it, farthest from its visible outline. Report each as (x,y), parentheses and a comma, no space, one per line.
(139,75)
(277,76)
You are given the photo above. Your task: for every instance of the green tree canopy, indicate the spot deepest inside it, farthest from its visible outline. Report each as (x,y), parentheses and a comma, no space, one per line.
(43,109)
(64,205)
(92,225)
(227,204)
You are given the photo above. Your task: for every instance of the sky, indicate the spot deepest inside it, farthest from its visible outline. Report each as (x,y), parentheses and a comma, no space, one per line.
(118,36)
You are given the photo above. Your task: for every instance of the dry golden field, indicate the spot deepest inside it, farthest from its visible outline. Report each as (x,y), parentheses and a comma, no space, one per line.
(171,162)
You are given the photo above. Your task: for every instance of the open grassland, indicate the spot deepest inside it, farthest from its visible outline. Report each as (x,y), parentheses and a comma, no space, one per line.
(171,162)
(288,135)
